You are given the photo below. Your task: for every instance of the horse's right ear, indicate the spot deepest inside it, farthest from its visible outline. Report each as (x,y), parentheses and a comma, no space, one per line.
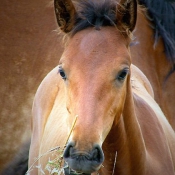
(65,13)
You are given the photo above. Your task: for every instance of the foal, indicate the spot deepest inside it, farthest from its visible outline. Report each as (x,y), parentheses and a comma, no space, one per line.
(118,122)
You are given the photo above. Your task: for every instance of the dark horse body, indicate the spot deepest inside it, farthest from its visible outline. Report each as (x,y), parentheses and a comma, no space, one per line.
(155,52)
(27,54)
(113,99)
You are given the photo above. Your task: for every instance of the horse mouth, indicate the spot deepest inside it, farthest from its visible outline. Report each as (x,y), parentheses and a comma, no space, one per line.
(69,171)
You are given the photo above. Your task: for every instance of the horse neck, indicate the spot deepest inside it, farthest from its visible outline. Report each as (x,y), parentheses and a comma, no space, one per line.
(126,139)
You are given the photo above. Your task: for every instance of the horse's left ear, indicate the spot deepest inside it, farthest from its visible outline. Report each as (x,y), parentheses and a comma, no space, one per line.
(127,14)
(65,14)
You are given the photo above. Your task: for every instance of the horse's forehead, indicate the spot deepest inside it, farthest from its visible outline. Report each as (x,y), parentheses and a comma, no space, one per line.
(93,44)
(101,40)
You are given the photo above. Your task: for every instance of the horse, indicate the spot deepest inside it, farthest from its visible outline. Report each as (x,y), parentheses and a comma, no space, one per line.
(155,52)
(97,102)
(26,56)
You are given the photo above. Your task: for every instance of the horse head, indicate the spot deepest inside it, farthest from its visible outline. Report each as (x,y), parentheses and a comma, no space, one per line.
(95,67)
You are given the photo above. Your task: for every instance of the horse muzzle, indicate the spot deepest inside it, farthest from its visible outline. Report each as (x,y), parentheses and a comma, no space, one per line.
(81,161)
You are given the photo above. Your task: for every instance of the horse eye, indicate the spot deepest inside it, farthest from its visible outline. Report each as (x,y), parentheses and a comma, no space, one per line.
(62,73)
(121,76)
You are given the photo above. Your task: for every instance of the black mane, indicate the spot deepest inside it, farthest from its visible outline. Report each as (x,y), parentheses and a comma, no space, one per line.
(103,13)
(162,12)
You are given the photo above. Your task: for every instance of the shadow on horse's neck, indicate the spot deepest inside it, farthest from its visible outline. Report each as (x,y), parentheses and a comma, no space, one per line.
(126,139)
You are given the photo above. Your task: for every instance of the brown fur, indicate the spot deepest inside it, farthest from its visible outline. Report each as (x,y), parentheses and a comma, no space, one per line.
(29,49)
(154,64)
(120,117)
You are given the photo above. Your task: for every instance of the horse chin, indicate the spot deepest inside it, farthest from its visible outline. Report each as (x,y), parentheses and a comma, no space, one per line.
(69,171)
(76,168)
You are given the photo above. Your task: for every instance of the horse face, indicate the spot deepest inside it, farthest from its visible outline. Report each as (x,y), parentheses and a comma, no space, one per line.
(94,66)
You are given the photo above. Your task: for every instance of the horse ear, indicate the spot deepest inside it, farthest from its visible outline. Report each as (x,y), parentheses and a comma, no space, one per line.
(65,14)
(127,14)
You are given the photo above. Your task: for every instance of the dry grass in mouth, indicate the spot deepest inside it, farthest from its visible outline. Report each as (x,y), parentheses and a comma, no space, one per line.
(55,166)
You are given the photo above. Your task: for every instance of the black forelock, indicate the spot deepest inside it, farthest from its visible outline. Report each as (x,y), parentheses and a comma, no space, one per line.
(95,14)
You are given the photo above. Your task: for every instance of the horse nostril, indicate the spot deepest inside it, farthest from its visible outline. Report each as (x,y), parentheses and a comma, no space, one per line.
(97,154)
(68,150)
